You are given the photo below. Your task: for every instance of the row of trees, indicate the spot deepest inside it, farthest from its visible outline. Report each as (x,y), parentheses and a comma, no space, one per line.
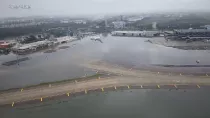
(19,31)
(168,23)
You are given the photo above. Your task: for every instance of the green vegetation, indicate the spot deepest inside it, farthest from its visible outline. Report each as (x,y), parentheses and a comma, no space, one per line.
(170,23)
(19,31)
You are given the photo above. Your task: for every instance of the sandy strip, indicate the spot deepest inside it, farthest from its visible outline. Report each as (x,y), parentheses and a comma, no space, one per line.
(123,77)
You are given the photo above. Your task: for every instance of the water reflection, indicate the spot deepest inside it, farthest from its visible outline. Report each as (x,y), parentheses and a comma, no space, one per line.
(13,62)
(105,35)
(64,47)
(97,40)
(130,52)
(139,103)
(50,51)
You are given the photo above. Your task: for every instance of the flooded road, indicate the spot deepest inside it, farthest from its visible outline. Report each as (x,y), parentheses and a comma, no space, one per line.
(127,103)
(129,52)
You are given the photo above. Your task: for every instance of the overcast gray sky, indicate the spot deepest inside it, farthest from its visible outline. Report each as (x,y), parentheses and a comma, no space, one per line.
(86,7)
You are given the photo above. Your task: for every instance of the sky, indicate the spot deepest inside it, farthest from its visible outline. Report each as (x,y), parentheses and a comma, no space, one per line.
(93,7)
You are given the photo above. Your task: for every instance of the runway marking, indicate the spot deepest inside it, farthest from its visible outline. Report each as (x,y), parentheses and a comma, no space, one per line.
(141,86)
(41,99)
(21,90)
(75,81)
(85,91)
(198,86)
(49,85)
(175,86)
(102,89)
(128,86)
(115,87)
(67,94)
(13,103)
(158,86)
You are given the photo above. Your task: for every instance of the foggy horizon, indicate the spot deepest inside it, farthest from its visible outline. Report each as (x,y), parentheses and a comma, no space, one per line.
(99,7)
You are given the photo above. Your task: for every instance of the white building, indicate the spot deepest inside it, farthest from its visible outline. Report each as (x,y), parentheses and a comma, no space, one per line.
(207,27)
(65,39)
(135,33)
(79,21)
(134,19)
(119,24)
(30,46)
(64,21)
(154,25)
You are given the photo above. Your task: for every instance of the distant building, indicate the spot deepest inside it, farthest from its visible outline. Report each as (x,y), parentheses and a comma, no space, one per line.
(6,44)
(134,19)
(207,27)
(119,24)
(80,22)
(154,25)
(189,34)
(106,24)
(136,33)
(31,46)
(64,21)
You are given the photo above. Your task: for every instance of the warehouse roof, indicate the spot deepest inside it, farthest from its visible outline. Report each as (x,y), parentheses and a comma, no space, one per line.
(191,30)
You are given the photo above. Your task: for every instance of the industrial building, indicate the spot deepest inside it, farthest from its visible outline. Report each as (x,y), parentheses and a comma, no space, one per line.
(189,34)
(31,46)
(136,33)
(65,39)
(35,46)
(5,46)
(119,24)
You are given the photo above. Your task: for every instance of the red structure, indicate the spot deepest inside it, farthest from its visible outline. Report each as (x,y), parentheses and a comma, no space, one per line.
(4,45)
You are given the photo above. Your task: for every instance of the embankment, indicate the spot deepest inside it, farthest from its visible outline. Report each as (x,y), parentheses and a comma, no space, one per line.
(116,77)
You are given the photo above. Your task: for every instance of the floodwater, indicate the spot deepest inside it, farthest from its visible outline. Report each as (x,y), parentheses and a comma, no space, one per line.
(130,52)
(138,103)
